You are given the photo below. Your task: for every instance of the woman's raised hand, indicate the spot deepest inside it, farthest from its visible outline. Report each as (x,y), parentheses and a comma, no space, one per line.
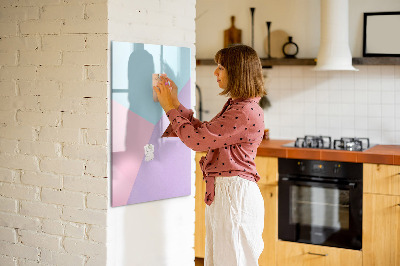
(164,94)
(174,91)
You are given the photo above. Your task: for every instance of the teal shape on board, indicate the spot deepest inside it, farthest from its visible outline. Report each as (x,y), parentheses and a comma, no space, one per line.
(132,67)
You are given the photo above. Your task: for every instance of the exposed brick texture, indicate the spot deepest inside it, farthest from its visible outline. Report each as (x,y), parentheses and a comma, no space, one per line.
(53,55)
(54,125)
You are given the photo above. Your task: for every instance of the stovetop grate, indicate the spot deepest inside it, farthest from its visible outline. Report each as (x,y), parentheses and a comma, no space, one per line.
(325,142)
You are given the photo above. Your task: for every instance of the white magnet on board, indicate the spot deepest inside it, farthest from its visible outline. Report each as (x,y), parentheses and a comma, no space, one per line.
(149,152)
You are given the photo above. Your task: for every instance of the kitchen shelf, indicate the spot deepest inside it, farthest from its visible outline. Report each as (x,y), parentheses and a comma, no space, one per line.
(376,61)
(312,61)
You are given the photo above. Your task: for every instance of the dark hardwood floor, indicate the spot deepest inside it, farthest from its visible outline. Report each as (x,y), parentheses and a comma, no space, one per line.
(199,262)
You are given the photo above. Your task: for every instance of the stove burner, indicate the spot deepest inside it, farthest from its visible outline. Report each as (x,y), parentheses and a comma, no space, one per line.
(351,144)
(324,142)
(308,141)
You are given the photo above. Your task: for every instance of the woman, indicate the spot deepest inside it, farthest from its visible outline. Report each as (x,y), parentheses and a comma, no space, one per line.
(235,207)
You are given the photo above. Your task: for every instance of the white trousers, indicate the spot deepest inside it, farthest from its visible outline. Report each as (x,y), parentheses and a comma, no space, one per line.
(234,223)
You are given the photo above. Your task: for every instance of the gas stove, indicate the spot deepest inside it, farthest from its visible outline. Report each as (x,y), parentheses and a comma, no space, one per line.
(325,142)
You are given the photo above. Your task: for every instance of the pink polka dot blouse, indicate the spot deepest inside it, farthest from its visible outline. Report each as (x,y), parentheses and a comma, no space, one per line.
(231,139)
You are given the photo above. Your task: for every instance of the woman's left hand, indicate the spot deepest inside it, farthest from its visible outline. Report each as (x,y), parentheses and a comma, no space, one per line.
(164,95)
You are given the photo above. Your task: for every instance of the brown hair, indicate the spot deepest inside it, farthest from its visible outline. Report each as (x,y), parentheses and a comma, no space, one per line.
(245,78)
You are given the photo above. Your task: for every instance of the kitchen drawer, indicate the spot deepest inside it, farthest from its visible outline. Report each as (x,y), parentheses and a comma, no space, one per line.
(381,179)
(298,254)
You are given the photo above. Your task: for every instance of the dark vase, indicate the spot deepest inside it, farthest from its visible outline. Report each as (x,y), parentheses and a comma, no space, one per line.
(290,49)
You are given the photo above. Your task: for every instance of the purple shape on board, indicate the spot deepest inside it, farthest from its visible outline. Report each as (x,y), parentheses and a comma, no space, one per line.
(168,175)
(184,95)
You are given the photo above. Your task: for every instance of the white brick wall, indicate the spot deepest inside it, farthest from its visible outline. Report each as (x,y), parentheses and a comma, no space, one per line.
(53,121)
(53,129)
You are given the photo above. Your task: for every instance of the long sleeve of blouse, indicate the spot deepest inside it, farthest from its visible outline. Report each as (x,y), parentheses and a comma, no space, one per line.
(186,113)
(201,136)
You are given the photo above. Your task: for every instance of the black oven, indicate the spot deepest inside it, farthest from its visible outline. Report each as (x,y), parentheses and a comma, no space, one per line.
(320,202)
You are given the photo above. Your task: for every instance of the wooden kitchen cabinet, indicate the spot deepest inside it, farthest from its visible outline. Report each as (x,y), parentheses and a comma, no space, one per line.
(381,230)
(298,254)
(270,233)
(381,179)
(267,168)
(381,215)
(200,207)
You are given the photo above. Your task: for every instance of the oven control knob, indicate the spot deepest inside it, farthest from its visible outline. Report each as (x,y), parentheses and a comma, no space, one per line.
(302,167)
(336,169)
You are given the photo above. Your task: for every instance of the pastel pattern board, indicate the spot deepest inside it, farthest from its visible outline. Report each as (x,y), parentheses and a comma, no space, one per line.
(137,121)
(156,176)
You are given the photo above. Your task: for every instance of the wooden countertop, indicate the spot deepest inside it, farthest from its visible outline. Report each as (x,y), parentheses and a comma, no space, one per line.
(379,154)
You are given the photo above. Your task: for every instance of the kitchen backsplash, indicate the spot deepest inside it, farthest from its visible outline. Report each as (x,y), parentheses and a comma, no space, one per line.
(337,104)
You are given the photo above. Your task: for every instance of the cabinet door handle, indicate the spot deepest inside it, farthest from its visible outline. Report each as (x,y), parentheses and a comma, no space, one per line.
(318,254)
(398,204)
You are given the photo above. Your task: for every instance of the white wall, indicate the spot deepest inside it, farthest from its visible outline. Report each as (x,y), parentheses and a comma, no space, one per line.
(53,109)
(337,104)
(160,232)
(298,18)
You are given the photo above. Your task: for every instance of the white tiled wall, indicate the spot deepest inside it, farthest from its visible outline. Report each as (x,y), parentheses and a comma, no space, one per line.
(337,104)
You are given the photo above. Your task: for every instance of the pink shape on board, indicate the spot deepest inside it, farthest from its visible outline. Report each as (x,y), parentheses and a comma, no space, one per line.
(126,163)
(119,118)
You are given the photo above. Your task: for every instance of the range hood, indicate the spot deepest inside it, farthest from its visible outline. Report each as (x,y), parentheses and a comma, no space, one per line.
(334,51)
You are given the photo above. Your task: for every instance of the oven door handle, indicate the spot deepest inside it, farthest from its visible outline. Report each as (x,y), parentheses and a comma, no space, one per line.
(297,181)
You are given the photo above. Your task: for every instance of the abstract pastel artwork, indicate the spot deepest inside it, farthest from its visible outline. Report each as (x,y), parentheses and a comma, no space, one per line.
(144,166)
